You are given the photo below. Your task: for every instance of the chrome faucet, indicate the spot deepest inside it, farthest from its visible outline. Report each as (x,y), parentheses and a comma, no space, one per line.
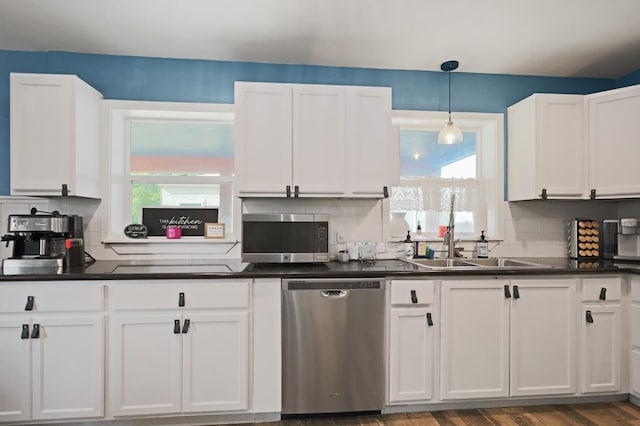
(449,239)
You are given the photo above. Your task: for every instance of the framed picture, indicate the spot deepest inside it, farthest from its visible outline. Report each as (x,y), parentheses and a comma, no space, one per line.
(214,230)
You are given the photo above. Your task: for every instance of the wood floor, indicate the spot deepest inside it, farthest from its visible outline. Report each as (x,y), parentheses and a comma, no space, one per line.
(600,414)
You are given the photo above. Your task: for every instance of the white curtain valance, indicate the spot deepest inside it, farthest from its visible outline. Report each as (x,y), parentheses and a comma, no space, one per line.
(432,193)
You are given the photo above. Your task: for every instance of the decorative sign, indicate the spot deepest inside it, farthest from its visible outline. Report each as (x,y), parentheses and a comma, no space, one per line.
(214,230)
(136,230)
(190,219)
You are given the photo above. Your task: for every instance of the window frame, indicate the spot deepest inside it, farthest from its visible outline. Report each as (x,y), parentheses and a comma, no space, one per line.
(490,151)
(119,115)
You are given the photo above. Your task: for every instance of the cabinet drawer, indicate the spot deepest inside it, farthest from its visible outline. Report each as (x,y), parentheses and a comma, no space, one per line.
(150,295)
(592,287)
(51,297)
(402,292)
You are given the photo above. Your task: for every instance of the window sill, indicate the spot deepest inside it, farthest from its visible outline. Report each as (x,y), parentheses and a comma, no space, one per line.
(162,245)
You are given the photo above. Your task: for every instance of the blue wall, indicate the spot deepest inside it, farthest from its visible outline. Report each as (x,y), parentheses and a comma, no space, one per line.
(629,79)
(155,79)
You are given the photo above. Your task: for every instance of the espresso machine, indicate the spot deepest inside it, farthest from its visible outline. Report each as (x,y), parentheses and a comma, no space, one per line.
(44,241)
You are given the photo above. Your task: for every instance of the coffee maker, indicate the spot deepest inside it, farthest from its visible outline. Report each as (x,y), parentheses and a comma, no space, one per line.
(44,241)
(621,239)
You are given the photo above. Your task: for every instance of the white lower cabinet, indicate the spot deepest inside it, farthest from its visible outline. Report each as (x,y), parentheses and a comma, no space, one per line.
(412,341)
(52,359)
(179,348)
(507,338)
(600,334)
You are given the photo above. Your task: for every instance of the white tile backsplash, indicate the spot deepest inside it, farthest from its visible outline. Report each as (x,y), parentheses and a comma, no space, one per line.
(531,228)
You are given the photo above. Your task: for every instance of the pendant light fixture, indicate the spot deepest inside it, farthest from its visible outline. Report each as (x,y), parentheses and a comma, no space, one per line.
(450,134)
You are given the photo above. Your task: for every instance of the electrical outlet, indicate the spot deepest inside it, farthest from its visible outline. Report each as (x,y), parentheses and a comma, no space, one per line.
(340,238)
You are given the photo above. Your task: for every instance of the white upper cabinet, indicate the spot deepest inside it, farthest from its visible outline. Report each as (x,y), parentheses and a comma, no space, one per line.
(54,136)
(574,146)
(614,142)
(297,140)
(546,155)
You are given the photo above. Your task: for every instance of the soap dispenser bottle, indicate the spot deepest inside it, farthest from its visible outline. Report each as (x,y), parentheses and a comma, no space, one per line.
(482,246)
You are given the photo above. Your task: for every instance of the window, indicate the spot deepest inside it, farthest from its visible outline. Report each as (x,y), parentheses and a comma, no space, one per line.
(430,173)
(167,154)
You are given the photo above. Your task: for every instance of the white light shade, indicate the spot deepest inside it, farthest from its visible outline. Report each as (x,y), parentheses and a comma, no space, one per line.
(449,135)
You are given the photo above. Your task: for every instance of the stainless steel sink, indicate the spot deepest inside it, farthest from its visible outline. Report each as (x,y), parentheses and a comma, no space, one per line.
(505,262)
(476,263)
(444,263)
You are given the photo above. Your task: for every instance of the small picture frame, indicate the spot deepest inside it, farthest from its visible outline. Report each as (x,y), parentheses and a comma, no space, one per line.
(214,230)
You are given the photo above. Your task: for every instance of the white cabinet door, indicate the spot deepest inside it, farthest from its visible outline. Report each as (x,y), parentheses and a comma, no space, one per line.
(373,154)
(614,132)
(57,117)
(600,336)
(216,362)
(68,367)
(547,148)
(475,339)
(319,139)
(411,355)
(263,138)
(15,370)
(145,355)
(543,337)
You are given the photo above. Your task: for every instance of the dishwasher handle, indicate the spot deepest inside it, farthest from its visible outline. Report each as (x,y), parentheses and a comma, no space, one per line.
(335,293)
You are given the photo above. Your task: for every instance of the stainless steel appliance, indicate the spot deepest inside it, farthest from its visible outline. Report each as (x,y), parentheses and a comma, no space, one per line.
(44,240)
(332,346)
(628,240)
(285,238)
(609,238)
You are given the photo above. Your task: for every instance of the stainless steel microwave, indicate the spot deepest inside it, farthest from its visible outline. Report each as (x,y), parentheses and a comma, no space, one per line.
(285,238)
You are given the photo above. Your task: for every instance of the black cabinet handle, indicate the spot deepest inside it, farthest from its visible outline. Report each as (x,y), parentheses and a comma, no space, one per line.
(187,323)
(603,293)
(296,191)
(176,326)
(385,192)
(589,317)
(288,191)
(35,333)
(543,195)
(25,331)
(29,306)
(516,292)
(429,319)
(181,299)
(592,194)
(507,293)
(414,297)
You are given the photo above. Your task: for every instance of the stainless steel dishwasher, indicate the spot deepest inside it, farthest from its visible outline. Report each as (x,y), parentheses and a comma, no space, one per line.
(332,345)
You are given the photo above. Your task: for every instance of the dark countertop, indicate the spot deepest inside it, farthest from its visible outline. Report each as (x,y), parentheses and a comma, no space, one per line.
(226,268)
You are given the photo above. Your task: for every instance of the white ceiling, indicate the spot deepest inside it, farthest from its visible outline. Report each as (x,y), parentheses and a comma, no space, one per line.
(587,38)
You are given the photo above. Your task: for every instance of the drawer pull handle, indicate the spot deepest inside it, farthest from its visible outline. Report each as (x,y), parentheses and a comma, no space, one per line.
(288,191)
(589,317)
(187,323)
(603,293)
(29,306)
(35,333)
(296,191)
(507,293)
(429,319)
(516,292)
(414,297)
(181,299)
(176,326)
(385,192)
(25,331)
